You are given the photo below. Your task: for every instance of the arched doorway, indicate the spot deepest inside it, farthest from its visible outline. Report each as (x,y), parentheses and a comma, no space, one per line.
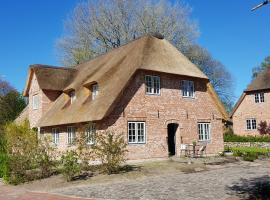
(171,129)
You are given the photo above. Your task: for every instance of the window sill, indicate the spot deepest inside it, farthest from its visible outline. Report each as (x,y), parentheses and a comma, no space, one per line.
(138,143)
(188,97)
(149,94)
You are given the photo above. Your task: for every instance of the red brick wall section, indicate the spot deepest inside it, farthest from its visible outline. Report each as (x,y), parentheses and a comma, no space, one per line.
(45,101)
(249,109)
(157,112)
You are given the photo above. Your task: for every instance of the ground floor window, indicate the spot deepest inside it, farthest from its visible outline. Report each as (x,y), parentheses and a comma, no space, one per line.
(251,124)
(55,136)
(136,132)
(71,135)
(204,131)
(90,134)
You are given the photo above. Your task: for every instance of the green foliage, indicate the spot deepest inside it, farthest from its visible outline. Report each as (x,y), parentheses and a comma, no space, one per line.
(250,153)
(45,157)
(70,165)
(110,148)
(21,143)
(230,137)
(11,105)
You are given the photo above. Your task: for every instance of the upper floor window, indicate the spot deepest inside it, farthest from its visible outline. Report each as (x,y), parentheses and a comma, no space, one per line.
(251,124)
(71,135)
(35,103)
(259,97)
(204,131)
(95,89)
(72,97)
(136,132)
(187,88)
(90,134)
(152,84)
(55,136)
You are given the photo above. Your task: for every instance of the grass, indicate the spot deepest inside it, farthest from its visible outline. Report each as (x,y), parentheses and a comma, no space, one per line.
(230,137)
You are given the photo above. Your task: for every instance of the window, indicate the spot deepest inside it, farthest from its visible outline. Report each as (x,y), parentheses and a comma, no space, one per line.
(72,97)
(204,131)
(35,102)
(152,84)
(259,97)
(251,124)
(187,88)
(71,135)
(55,136)
(90,134)
(136,132)
(94,91)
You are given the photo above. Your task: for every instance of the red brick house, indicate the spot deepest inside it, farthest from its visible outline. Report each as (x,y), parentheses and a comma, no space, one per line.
(146,90)
(253,106)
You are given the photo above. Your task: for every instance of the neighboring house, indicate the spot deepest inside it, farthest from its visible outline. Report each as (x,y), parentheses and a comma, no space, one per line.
(146,90)
(253,106)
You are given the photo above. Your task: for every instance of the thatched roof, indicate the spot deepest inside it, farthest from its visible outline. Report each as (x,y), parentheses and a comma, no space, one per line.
(261,82)
(112,71)
(50,77)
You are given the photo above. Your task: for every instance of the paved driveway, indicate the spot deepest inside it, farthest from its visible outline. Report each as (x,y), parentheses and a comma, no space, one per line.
(231,181)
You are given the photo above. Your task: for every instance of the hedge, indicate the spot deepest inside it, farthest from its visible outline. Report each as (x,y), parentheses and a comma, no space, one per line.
(229,137)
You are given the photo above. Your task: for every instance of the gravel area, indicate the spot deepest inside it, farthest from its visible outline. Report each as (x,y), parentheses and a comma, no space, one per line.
(231,181)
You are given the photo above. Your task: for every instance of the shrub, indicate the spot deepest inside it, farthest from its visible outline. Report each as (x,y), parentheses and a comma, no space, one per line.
(21,145)
(230,137)
(250,153)
(110,148)
(46,157)
(263,128)
(70,165)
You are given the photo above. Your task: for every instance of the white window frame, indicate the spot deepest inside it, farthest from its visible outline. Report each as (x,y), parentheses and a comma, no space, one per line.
(71,135)
(90,134)
(35,101)
(72,96)
(136,132)
(152,85)
(259,97)
(203,127)
(251,124)
(188,88)
(95,90)
(55,136)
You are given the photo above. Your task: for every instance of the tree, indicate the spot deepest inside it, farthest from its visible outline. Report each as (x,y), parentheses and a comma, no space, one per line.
(95,28)
(265,64)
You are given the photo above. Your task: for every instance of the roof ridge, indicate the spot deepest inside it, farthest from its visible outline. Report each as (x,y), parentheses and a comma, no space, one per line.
(50,67)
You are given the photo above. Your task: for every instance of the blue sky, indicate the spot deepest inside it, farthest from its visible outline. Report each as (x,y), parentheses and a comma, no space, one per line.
(232,33)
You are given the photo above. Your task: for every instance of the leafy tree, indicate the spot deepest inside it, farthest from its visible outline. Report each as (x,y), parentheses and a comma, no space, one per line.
(95,28)
(265,64)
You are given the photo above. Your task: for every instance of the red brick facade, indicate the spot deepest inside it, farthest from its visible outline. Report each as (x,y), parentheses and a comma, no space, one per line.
(157,111)
(248,109)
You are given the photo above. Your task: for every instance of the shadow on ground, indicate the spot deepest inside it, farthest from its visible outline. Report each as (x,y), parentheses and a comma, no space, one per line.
(251,189)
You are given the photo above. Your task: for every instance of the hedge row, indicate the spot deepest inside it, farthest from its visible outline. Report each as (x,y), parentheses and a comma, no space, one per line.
(229,137)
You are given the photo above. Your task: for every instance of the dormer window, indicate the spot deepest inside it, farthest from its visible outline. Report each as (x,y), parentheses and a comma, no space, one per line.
(72,97)
(94,91)
(259,97)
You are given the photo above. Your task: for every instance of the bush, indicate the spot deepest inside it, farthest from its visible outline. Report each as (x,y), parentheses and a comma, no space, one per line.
(3,163)
(21,145)
(70,165)
(230,137)
(250,153)
(46,157)
(110,148)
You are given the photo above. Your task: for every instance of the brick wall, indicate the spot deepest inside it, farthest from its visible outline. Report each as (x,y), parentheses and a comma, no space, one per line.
(158,111)
(249,109)
(46,98)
